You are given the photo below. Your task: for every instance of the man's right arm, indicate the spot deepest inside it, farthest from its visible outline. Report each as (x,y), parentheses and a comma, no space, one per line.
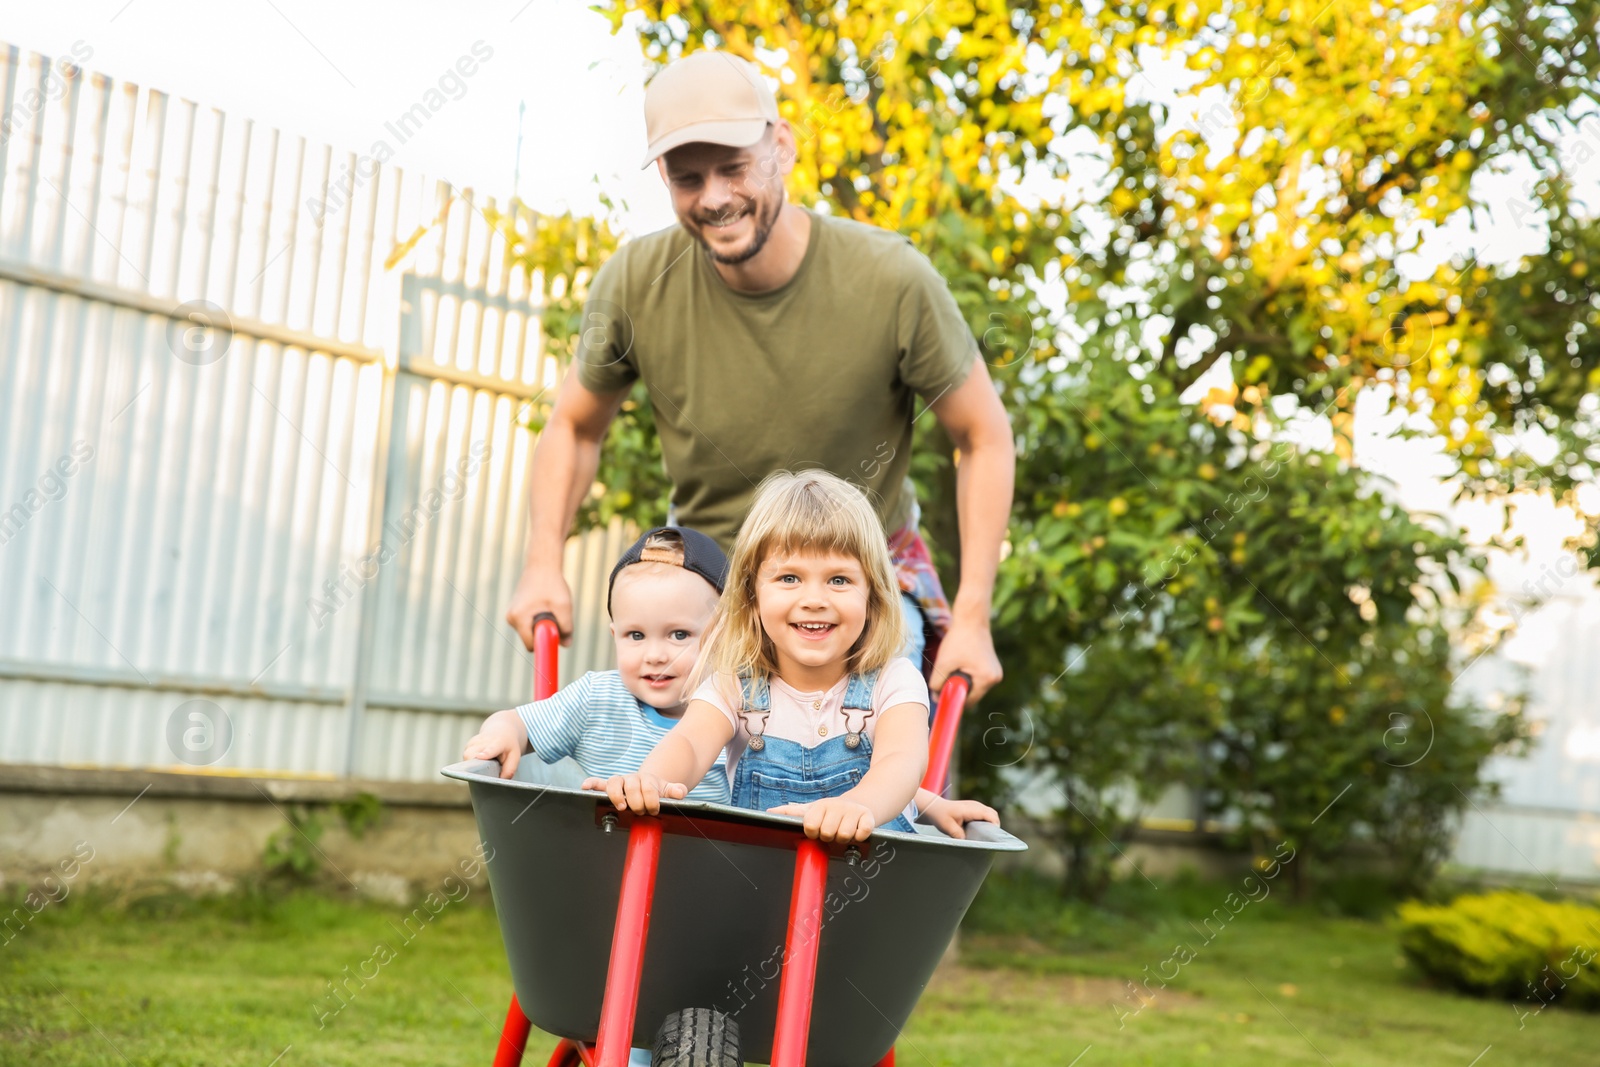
(559,476)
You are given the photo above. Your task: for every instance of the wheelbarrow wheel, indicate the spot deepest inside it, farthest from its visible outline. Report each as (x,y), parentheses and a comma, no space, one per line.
(697,1037)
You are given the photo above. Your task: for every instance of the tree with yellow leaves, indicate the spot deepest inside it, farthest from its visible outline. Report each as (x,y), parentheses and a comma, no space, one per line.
(1186,601)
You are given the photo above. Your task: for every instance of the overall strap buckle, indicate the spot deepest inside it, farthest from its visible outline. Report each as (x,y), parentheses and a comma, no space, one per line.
(756,694)
(858,697)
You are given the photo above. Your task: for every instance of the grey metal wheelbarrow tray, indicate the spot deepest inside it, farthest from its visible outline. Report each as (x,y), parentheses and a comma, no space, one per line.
(718,921)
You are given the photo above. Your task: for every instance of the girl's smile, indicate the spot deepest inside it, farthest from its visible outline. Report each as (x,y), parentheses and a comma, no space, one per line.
(813,607)
(814,631)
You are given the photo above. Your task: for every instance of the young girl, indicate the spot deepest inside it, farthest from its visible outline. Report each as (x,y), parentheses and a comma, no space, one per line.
(821,716)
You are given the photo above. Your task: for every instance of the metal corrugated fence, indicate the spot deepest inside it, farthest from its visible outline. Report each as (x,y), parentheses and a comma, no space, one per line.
(262,497)
(1546,821)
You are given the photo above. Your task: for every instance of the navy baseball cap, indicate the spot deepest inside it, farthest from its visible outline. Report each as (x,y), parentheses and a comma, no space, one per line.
(701,555)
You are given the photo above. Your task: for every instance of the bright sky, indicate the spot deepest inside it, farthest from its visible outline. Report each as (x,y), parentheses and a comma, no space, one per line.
(337,72)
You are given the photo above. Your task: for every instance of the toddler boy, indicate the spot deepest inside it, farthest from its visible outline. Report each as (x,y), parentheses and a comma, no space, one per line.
(661,595)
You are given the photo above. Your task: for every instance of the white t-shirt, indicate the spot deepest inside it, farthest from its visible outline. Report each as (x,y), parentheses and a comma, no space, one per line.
(809,719)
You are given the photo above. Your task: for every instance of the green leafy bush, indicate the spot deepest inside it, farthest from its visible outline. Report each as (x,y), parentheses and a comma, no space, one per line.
(1508,944)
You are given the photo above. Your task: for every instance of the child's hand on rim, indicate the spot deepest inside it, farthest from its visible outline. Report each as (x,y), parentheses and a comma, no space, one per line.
(639,793)
(951,816)
(496,742)
(832,818)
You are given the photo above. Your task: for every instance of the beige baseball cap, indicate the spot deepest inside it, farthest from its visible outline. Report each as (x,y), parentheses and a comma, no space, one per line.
(707,96)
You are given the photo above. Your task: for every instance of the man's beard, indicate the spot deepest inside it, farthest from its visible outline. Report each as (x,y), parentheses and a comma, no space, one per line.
(764,222)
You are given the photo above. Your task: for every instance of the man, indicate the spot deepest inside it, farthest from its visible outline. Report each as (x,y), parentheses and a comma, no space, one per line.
(771,337)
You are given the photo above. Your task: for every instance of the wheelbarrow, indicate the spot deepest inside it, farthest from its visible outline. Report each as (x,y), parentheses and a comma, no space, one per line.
(817,952)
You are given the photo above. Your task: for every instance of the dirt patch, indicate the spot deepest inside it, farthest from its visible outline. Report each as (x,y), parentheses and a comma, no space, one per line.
(1004,985)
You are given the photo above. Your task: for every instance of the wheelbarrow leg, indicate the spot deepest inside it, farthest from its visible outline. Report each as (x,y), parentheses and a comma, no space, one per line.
(567,1054)
(513,1037)
(798,981)
(621,1001)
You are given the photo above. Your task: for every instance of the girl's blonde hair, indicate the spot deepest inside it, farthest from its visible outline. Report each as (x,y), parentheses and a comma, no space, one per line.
(804,511)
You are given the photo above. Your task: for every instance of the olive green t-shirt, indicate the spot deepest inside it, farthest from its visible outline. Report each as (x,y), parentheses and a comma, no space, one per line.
(820,372)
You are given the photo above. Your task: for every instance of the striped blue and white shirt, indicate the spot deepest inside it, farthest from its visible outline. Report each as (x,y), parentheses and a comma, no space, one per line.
(605,728)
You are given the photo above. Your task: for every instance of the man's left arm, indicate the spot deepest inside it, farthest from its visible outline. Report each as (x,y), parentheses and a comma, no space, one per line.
(976,421)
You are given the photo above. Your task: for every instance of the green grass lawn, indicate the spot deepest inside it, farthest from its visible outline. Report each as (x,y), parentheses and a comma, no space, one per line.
(169,981)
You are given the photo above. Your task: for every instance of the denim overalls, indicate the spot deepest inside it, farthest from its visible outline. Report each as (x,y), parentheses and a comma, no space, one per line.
(776,771)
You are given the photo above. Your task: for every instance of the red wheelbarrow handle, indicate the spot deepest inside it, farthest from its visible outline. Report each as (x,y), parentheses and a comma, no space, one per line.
(946,725)
(546,673)
(546,655)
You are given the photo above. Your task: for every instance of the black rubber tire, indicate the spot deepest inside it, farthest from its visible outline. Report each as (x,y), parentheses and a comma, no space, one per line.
(697,1037)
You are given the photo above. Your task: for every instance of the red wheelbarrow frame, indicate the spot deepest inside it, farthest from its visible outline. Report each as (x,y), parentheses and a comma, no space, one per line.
(798,977)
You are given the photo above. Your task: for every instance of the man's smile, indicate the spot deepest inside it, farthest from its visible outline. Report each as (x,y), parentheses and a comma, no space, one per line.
(726,222)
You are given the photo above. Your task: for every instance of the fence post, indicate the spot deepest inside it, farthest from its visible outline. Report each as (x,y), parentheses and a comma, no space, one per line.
(387,465)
